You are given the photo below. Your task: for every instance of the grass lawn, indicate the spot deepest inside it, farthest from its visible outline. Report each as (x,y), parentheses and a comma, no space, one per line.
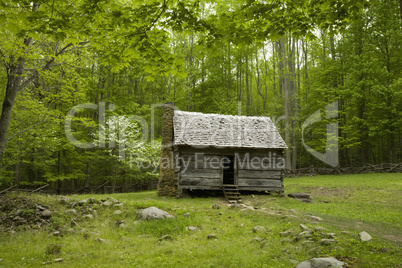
(352,203)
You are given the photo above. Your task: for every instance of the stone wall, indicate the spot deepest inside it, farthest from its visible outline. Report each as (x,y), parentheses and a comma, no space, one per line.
(167,185)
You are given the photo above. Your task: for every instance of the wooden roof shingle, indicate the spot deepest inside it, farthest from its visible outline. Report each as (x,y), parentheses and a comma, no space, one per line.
(225,131)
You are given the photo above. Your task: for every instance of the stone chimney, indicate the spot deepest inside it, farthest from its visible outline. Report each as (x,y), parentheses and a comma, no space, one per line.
(167,185)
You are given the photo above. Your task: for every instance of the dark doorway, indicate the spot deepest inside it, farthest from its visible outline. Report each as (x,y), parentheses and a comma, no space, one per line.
(228,169)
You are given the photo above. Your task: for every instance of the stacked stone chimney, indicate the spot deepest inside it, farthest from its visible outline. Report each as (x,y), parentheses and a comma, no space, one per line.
(167,185)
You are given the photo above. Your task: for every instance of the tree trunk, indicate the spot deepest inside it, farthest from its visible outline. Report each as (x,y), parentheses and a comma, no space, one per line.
(400,7)
(88,173)
(285,88)
(15,71)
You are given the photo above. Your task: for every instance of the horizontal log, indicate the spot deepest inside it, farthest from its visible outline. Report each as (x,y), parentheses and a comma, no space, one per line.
(227,151)
(198,156)
(210,175)
(260,182)
(266,153)
(260,188)
(200,165)
(9,188)
(202,187)
(199,181)
(260,174)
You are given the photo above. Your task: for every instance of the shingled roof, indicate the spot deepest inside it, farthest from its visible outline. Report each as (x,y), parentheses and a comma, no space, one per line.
(225,131)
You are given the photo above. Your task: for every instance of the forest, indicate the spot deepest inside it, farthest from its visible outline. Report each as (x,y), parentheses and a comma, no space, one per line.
(121,60)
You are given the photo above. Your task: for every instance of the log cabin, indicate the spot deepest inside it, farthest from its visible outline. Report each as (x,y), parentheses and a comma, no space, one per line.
(219,152)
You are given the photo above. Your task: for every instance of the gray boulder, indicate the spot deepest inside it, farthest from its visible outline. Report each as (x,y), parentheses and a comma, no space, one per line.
(259,229)
(321,263)
(117,212)
(107,204)
(152,213)
(46,214)
(365,237)
(71,212)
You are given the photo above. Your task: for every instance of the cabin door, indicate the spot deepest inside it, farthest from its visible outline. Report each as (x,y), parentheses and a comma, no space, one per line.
(228,169)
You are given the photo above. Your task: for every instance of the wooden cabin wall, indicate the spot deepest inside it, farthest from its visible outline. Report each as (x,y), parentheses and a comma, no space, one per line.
(196,171)
(260,170)
(255,169)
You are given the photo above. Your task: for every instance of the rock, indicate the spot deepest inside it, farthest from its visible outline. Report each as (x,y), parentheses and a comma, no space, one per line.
(92,200)
(101,240)
(153,213)
(118,205)
(186,215)
(293,211)
(107,204)
(319,228)
(216,206)
(88,216)
(71,212)
(58,260)
(304,234)
(40,207)
(304,228)
(55,233)
(211,236)
(192,228)
(256,239)
(306,200)
(331,235)
(346,232)
(327,242)
(82,202)
(307,244)
(321,263)
(19,219)
(365,237)
(315,218)
(234,206)
(286,233)
(220,213)
(259,229)
(46,214)
(299,196)
(165,238)
(117,212)
(63,200)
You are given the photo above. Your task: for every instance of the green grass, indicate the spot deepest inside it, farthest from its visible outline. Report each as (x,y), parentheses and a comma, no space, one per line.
(369,202)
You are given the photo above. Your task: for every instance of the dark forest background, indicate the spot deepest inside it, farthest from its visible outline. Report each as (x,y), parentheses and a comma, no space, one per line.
(204,57)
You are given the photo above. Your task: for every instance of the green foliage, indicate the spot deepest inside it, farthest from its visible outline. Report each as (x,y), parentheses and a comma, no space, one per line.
(206,57)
